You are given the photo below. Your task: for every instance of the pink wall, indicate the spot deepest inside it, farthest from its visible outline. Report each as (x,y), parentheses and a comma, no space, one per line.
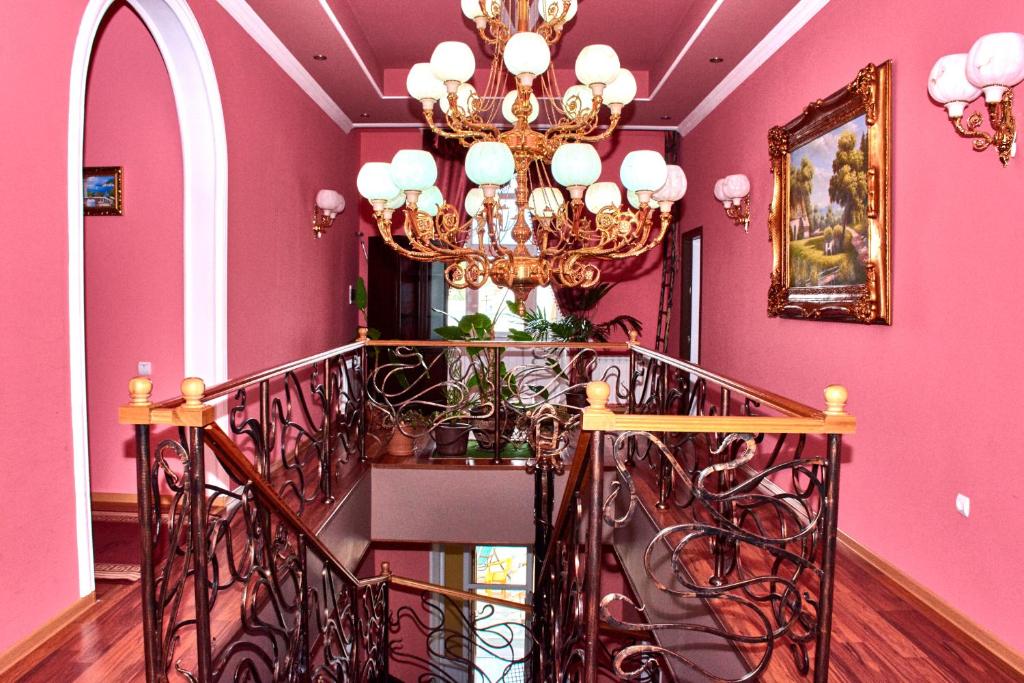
(929,392)
(286,290)
(133,263)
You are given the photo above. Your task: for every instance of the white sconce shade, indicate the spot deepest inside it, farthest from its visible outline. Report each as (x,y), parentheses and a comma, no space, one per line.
(576,164)
(586,100)
(552,9)
(490,163)
(600,195)
(634,200)
(330,202)
(463,98)
(474,202)
(510,99)
(597,64)
(396,202)
(474,9)
(430,200)
(948,84)
(527,54)
(453,61)
(413,169)
(736,186)
(643,171)
(374,182)
(995,63)
(622,90)
(720,194)
(545,201)
(674,187)
(422,84)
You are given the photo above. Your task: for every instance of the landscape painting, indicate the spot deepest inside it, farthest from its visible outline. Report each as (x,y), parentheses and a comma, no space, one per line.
(102,191)
(828,208)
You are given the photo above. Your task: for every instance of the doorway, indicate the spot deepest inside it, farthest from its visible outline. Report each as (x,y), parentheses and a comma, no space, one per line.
(202,301)
(689,338)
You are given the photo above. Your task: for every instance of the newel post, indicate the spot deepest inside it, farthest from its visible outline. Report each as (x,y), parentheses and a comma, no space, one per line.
(835,411)
(363,337)
(597,417)
(137,412)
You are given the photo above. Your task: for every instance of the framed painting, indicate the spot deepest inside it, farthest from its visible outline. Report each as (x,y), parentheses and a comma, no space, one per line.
(103,190)
(830,218)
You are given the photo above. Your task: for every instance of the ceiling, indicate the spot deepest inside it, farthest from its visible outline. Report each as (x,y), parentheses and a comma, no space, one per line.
(370,45)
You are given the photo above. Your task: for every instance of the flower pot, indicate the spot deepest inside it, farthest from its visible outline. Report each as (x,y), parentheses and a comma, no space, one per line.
(451,439)
(483,427)
(401,443)
(576,397)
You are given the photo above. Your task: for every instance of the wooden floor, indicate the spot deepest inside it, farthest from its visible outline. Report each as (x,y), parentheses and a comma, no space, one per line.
(878,636)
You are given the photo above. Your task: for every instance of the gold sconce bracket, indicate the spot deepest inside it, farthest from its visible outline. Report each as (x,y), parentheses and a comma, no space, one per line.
(1004,128)
(740,215)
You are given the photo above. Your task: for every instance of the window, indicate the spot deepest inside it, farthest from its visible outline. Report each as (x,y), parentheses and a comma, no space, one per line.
(497,571)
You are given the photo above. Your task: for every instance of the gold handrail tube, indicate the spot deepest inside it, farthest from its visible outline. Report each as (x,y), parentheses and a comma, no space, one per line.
(465,596)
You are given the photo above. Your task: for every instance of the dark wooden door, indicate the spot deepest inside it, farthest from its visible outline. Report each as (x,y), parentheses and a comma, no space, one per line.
(691,273)
(398,293)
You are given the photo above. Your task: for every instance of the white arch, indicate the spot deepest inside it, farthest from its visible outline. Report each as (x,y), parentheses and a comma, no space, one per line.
(205,164)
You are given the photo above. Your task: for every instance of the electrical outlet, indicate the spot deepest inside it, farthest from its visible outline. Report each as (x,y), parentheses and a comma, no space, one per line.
(351,294)
(963,505)
(145,368)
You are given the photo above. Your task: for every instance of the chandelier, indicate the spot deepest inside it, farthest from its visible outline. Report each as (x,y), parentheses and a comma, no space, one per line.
(545,238)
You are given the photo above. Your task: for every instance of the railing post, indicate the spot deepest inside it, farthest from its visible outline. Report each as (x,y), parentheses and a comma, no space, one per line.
(597,397)
(631,399)
(720,547)
(300,663)
(192,389)
(327,450)
(835,398)
(266,430)
(497,405)
(140,389)
(363,332)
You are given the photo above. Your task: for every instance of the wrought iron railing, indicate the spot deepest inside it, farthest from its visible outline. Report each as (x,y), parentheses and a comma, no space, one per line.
(249,592)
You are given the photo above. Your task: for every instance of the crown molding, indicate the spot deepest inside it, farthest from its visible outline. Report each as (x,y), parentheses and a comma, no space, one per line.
(253,24)
(794,20)
(686,48)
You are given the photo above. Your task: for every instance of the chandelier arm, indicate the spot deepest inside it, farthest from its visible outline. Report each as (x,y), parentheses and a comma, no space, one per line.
(492,232)
(613,123)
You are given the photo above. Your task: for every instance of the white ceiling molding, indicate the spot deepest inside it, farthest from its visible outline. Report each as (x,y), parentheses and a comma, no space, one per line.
(686,48)
(794,20)
(541,127)
(355,53)
(258,30)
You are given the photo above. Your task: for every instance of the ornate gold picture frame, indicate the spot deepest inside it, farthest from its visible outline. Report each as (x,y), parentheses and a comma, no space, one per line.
(830,218)
(103,190)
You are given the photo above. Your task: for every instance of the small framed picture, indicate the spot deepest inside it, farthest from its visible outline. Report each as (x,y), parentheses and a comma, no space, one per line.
(102,190)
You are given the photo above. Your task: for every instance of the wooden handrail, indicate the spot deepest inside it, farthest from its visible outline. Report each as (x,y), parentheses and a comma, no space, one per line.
(465,596)
(239,467)
(728,424)
(762,396)
(500,344)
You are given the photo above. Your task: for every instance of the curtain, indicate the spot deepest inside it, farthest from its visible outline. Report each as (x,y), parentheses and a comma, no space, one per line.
(451,176)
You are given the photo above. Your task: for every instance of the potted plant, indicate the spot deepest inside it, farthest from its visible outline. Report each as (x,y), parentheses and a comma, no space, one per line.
(575,325)
(451,436)
(409,426)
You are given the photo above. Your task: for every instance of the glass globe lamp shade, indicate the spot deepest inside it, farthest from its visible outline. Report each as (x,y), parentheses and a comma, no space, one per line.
(430,200)
(995,63)
(948,84)
(643,171)
(423,85)
(464,95)
(720,194)
(736,186)
(374,182)
(330,202)
(452,62)
(621,91)
(545,201)
(474,202)
(572,108)
(551,10)
(597,65)
(413,170)
(527,55)
(490,164)
(510,99)
(396,202)
(600,195)
(674,187)
(476,9)
(576,165)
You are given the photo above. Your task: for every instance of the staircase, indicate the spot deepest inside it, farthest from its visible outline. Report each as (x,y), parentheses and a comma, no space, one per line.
(718,500)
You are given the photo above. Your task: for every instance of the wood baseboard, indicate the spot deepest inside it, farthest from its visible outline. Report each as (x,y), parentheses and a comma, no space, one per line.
(44,633)
(929,601)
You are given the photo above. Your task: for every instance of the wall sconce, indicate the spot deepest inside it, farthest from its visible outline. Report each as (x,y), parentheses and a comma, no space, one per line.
(328,205)
(734,193)
(993,66)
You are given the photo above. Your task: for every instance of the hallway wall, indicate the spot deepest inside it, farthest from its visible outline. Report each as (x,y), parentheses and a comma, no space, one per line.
(286,290)
(931,392)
